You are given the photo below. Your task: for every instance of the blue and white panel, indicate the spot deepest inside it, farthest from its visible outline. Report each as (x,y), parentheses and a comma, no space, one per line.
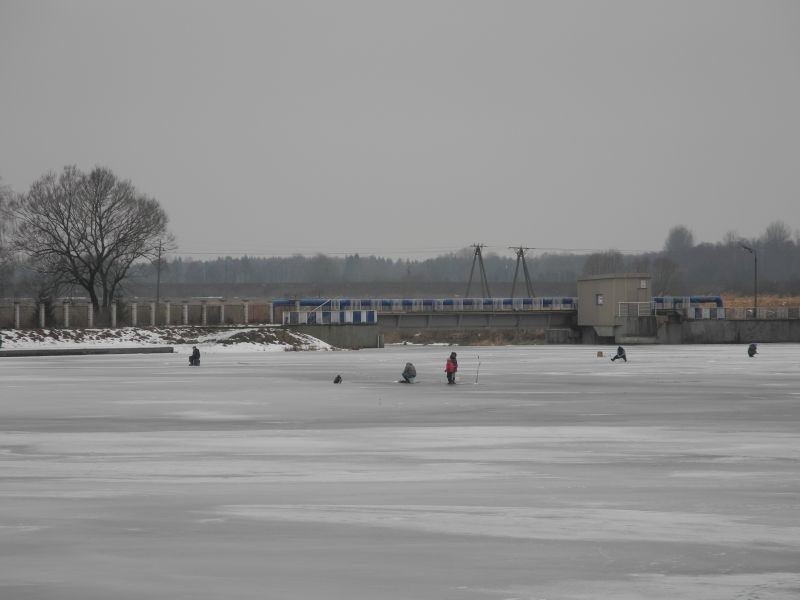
(330,317)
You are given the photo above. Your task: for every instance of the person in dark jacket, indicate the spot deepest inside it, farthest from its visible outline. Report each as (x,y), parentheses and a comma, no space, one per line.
(620,354)
(751,350)
(194,359)
(409,373)
(450,367)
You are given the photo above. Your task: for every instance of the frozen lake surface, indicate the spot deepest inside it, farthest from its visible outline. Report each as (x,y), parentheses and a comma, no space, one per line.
(558,475)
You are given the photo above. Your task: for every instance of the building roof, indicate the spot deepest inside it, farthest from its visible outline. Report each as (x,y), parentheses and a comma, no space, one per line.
(615,276)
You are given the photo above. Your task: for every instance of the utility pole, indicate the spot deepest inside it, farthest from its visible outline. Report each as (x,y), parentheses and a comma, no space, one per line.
(158,275)
(752,251)
(521,259)
(478,258)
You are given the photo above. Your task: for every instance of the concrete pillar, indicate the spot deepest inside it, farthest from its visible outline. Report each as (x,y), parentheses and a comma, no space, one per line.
(153,314)
(41,316)
(185,313)
(222,314)
(246,312)
(66,315)
(204,311)
(16,315)
(90,315)
(134,314)
(167,312)
(114,315)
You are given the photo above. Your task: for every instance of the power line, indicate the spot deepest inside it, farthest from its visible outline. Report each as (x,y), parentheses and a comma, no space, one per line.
(307,252)
(377,252)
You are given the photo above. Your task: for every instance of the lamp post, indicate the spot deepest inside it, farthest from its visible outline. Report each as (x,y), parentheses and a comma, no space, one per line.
(158,276)
(752,251)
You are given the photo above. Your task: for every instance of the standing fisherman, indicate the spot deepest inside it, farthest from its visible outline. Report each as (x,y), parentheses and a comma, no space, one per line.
(450,367)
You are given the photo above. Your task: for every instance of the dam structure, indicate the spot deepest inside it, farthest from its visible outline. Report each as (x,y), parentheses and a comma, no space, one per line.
(615,308)
(443,313)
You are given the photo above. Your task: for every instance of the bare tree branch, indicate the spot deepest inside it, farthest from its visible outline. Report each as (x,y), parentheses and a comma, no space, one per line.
(88,229)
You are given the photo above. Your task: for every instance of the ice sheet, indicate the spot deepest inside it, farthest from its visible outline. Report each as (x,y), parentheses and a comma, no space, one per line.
(558,475)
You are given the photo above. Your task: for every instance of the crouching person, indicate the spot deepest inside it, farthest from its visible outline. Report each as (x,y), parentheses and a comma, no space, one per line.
(409,373)
(620,354)
(194,358)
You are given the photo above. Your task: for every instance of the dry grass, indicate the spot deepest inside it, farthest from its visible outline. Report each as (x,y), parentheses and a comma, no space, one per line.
(766,301)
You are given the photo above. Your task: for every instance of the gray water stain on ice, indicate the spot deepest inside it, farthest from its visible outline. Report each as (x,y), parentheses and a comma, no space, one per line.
(549,524)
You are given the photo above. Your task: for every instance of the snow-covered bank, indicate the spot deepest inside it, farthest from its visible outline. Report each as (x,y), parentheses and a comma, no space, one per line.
(208,339)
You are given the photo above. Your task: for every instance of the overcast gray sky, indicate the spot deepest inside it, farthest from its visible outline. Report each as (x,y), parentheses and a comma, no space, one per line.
(415,126)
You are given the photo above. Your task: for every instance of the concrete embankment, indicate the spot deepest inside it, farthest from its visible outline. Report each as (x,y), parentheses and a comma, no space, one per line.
(737,332)
(351,337)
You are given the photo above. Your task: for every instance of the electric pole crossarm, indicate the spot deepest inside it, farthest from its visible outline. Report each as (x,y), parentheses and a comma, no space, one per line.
(521,259)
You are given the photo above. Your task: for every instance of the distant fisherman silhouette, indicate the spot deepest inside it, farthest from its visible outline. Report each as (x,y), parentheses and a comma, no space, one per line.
(409,373)
(620,354)
(751,350)
(337,379)
(194,359)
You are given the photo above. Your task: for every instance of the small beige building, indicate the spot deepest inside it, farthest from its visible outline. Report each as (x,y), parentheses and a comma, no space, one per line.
(608,302)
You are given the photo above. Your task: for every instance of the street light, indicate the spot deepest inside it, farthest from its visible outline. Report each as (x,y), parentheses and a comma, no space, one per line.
(755,278)
(158,277)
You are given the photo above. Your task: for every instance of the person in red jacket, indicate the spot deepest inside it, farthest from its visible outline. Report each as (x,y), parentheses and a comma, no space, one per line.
(451,367)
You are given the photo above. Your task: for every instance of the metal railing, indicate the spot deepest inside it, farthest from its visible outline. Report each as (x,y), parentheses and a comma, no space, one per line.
(646,309)
(428,305)
(634,309)
(740,314)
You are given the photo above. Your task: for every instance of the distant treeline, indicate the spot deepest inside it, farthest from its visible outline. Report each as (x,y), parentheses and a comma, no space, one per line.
(681,267)
(327,269)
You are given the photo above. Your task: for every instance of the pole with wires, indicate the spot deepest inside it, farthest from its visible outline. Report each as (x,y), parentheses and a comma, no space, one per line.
(158,274)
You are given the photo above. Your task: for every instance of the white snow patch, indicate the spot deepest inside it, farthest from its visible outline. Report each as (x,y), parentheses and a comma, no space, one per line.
(207,339)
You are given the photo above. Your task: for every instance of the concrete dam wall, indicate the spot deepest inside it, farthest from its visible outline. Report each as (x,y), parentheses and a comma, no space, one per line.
(710,331)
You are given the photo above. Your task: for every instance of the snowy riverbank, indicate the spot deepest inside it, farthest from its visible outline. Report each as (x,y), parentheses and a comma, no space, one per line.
(208,339)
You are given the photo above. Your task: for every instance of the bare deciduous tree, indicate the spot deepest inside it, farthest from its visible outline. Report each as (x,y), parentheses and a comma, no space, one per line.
(601,263)
(777,233)
(679,241)
(88,229)
(731,238)
(666,276)
(5,201)
(5,255)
